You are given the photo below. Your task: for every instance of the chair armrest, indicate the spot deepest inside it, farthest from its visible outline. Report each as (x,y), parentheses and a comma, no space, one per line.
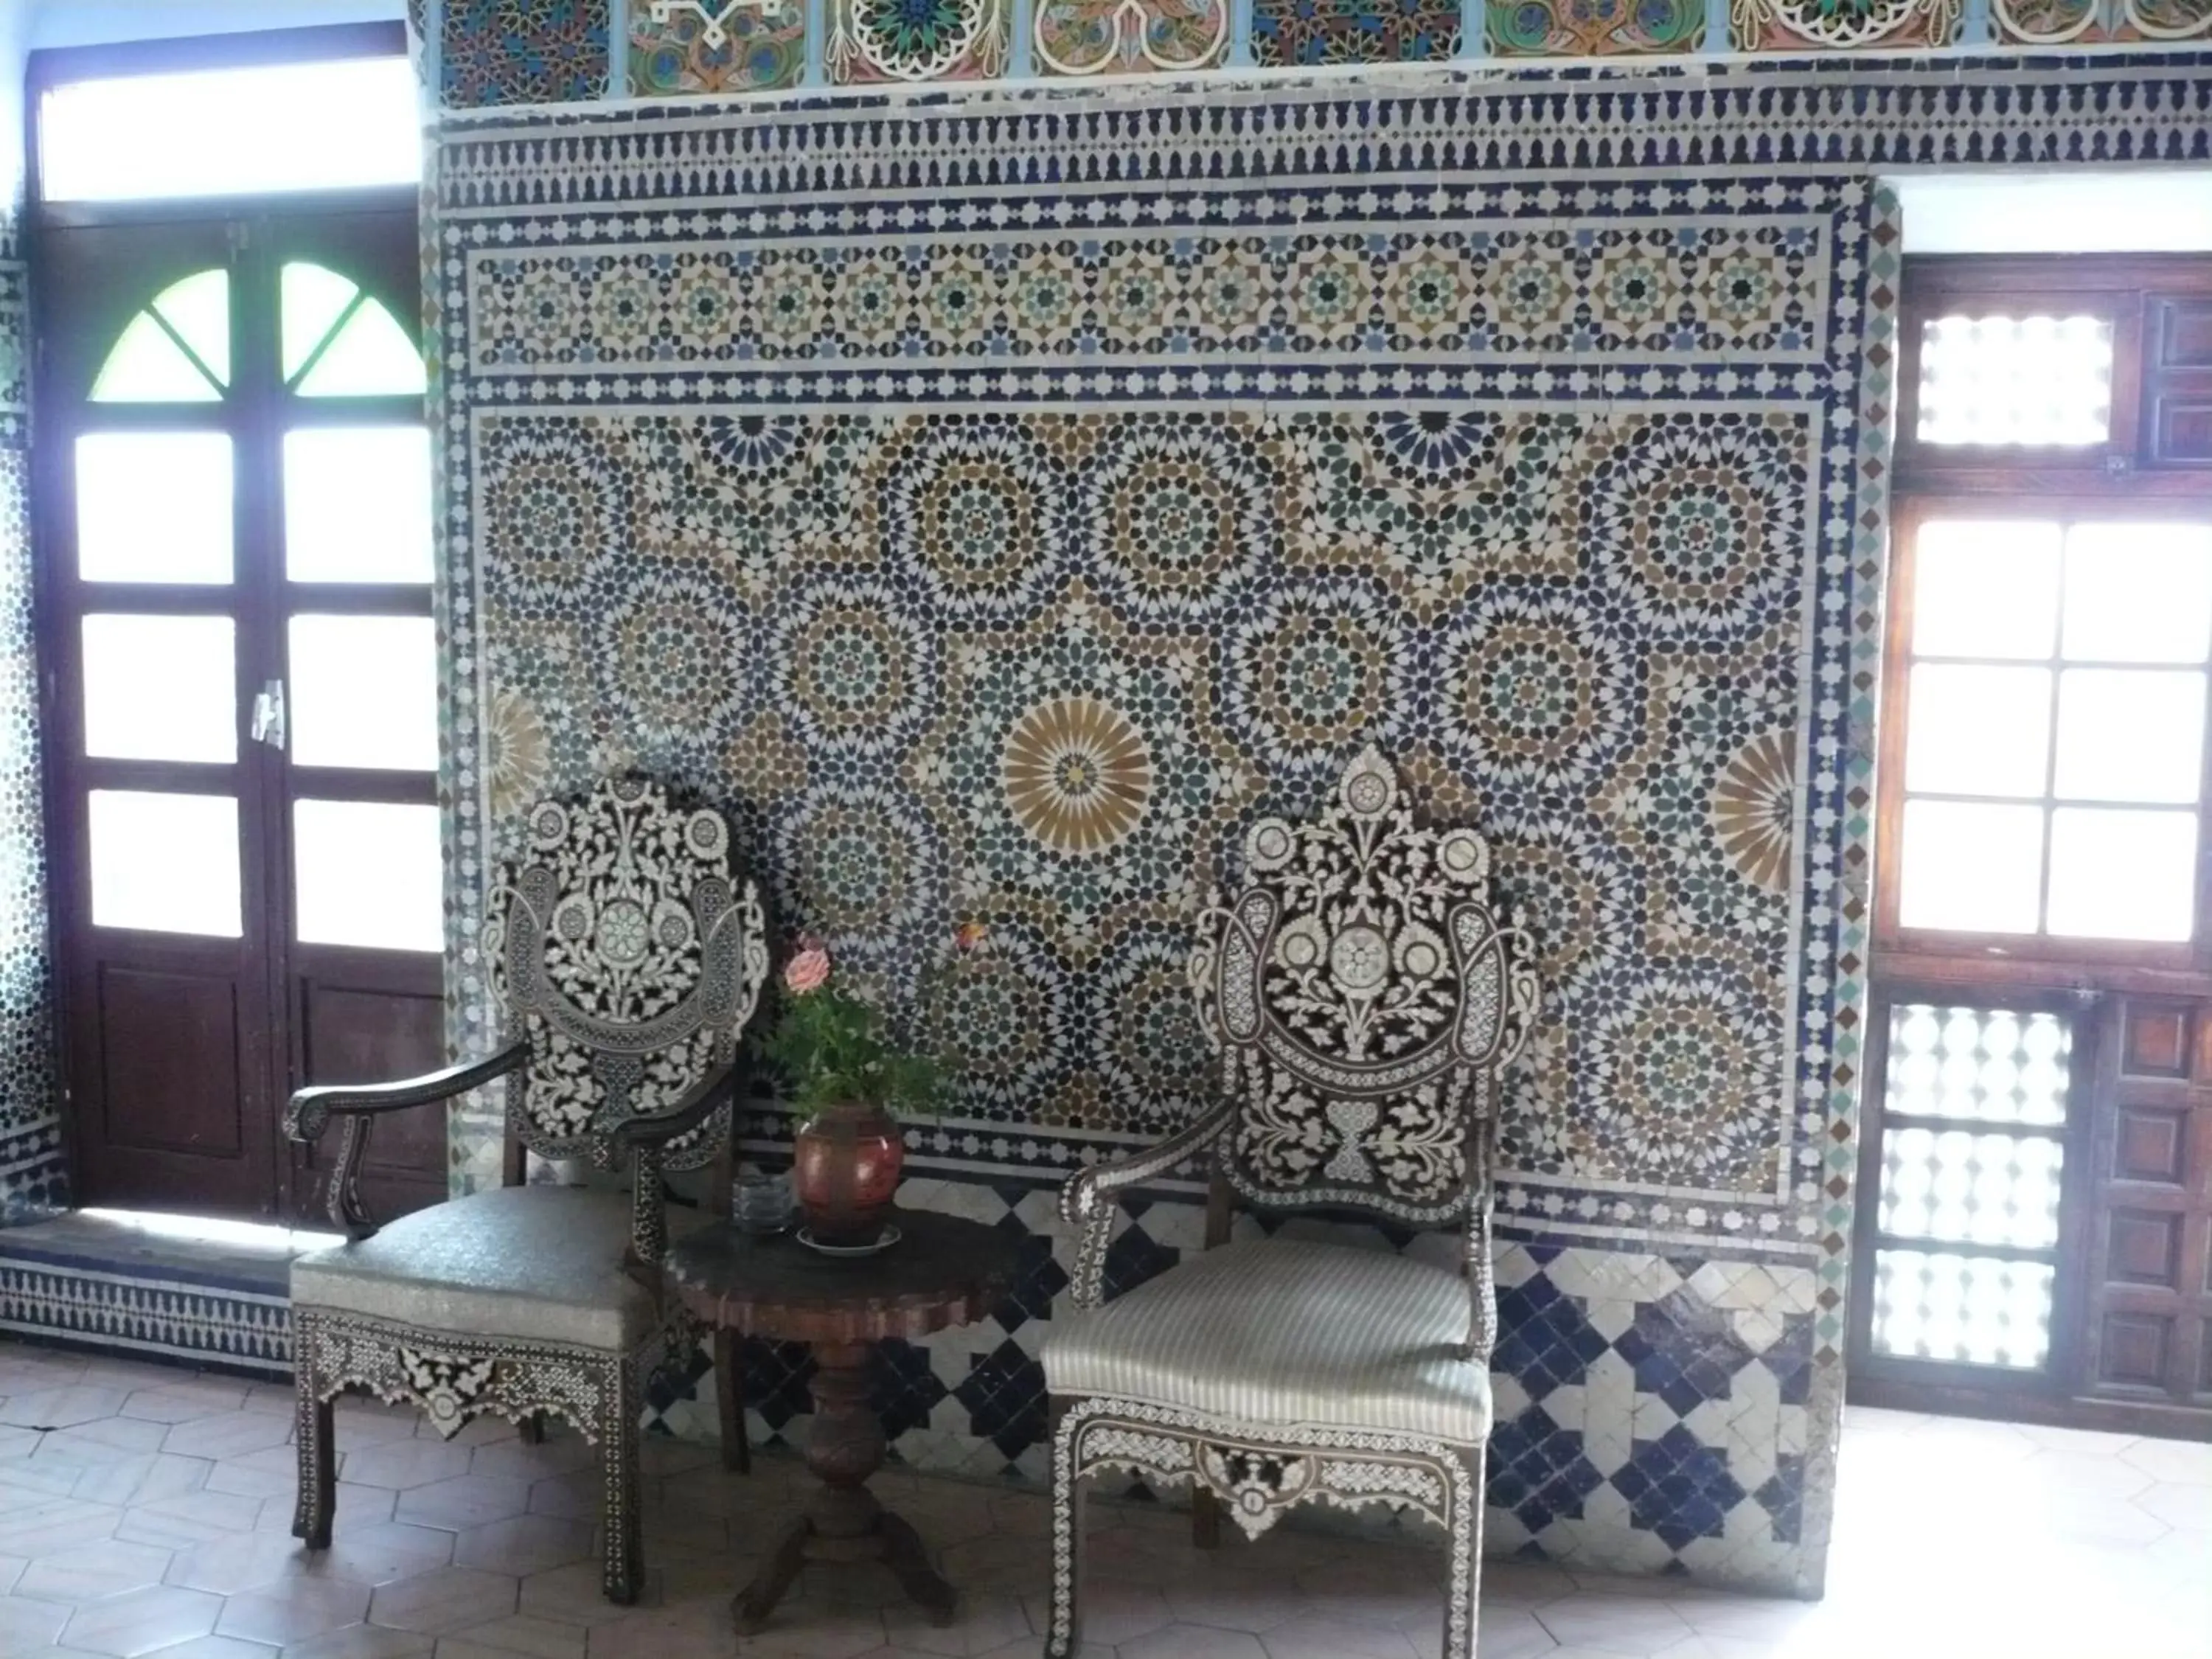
(640,1142)
(312,1109)
(1086,1203)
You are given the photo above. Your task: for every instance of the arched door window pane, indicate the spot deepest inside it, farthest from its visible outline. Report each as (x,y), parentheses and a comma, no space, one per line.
(175,351)
(339,342)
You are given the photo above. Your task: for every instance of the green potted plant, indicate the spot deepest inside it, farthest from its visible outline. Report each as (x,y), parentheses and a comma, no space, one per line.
(849,1080)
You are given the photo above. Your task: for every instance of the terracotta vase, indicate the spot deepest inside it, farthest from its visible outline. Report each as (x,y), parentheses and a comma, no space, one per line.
(846,1170)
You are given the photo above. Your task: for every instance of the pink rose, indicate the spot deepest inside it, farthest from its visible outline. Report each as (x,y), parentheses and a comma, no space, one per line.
(808,969)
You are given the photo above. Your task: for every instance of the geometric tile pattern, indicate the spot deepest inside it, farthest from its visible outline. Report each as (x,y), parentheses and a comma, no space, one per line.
(33,1170)
(1651,1410)
(510,52)
(684,48)
(1590,28)
(1130,37)
(843,620)
(2058,23)
(172,1315)
(522,52)
(766,342)
(1826,25)
(148,1512)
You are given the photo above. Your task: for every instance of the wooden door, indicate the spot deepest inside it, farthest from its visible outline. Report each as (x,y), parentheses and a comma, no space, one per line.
(2145,1329)
(2035,1205)
(234,552)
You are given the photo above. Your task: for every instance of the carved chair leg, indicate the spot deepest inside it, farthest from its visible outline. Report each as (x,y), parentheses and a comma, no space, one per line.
(532,1429)
(1205,1516)
(317,1454)
(622,1521)
(1068,1498)
(1463,1581)
(730,1401)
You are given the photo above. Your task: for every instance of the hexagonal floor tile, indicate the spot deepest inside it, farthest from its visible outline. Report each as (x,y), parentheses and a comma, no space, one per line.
(403,1464)
(143,1621)
(294,1610)
(1194,1641)
(232,1434)
(184,1400)
(467,1500)
(443,1600)
(62,1407)
(92,1572)
(363,1642)
(525,1544)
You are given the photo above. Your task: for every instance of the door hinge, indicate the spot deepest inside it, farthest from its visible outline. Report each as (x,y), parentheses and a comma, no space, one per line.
(269,714)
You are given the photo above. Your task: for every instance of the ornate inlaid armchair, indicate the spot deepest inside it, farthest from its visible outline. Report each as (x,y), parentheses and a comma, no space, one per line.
(1364,1001)
(626,955)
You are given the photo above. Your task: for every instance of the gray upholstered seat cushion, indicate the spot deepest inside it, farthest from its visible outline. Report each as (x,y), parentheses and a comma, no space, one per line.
(534,1263)
(1285,1332)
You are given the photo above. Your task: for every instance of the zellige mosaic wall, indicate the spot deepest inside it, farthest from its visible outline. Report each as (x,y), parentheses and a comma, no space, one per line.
(884,468)
(33,1170)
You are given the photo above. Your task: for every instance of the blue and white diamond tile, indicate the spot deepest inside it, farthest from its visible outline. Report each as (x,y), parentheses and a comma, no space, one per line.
(1651,1410)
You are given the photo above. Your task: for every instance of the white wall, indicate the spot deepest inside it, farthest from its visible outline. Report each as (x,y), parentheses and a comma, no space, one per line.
(2144,210)
(97,23)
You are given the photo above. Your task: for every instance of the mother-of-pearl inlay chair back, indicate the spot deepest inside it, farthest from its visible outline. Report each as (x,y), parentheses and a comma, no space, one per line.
(627,953)
(1364,999)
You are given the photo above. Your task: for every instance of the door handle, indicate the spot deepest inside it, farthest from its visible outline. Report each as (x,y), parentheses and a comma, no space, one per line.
(269,714)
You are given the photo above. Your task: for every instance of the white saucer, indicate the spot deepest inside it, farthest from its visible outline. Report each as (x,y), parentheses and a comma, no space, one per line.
(891,1236)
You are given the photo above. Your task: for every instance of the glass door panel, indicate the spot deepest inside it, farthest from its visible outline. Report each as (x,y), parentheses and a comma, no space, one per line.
(367,875)
(154,507)
(165,864)
(364,692)
(357,504)
(161,688)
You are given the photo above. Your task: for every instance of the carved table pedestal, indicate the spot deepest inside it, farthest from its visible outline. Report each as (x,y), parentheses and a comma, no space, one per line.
(943,1271)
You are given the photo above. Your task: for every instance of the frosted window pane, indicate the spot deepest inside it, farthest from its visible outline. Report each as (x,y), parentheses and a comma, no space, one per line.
(269,127)
(310,298)
(365,692)
(1975,731)
(1971,867)
(149,367)
(2130,735)
(371,357)
(161,688)
(357,504)
(198,308)
(367,875)
(2039,380)
(165,863)
(153,507)
(2123,875)
(2138,593)
(1997,1064)
(1933,1304)
(1985,588)
(1957,1187)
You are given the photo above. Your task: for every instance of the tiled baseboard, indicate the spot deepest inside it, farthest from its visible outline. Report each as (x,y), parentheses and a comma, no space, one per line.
(80,1286)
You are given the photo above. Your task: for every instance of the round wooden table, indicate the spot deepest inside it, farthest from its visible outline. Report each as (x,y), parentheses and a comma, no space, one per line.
(943,1271)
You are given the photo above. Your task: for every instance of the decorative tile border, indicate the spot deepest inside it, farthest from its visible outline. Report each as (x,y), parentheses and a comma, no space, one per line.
(504,52)
(193,1321)
(33,1164)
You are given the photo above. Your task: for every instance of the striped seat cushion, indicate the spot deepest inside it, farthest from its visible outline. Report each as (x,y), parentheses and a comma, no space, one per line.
(1285,1332)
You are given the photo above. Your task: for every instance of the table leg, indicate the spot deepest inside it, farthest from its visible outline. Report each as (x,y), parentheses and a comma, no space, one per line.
(844,1521)
(750,1611)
